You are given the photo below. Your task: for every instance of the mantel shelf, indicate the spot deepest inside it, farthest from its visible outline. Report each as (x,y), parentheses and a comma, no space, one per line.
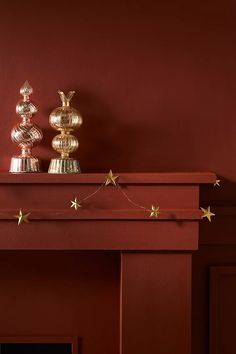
(98,178)
(106,221)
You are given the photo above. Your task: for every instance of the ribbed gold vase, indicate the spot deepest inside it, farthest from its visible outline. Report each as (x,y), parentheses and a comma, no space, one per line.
(65,119)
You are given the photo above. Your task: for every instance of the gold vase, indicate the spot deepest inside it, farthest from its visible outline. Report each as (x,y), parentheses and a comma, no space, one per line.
(26,134)
(65,119)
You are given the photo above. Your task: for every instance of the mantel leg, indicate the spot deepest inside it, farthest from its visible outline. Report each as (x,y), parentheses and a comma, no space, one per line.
(155,303)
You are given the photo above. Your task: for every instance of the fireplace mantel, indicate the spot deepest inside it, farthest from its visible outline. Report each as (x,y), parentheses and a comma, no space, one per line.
(104,220)
(128,273)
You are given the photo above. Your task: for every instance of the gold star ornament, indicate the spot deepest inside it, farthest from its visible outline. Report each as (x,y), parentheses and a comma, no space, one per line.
(154,211)
(111,179)
(207,213)
(217,183)
(75,204)
(22,217)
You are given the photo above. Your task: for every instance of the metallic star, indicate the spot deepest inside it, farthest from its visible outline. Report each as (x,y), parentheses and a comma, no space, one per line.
(154,211)
(207,213)
(22,217)
(217,183)
(111,179)
(75,204)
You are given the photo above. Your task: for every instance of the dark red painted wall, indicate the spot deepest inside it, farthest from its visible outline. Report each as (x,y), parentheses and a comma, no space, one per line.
(156,84)
(155,79)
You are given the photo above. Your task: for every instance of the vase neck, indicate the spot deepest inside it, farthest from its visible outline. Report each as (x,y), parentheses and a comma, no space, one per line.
(65,99)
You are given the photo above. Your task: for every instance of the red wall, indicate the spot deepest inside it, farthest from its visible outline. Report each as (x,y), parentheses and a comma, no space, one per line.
(156,84)
(155,79)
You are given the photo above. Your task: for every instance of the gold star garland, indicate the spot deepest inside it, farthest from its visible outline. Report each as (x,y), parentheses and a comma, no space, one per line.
(75,204)
(130,200)
(154,211)
(217,183)
(22,217)
(111,179)
(207,213)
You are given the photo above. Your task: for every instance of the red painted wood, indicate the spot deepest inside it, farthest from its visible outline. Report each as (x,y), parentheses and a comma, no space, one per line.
(110,214)
(100,235)
(61,294)
(208,257)
(124,178)
(156,303)
(104,220)
(57,196)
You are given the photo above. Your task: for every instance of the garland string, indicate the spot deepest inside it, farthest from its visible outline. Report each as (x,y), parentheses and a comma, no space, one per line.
(130,200)
(92,194)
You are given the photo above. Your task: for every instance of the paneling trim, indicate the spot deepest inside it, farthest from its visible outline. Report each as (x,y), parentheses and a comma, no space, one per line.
(216,273)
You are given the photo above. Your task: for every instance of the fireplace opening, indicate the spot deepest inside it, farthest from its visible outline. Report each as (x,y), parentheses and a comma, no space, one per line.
(36,348)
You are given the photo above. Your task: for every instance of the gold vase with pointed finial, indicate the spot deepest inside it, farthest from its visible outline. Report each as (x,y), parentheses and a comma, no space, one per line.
(65,119)
(26,134)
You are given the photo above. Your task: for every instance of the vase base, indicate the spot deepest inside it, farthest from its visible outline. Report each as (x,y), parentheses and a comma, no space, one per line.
(23,164)
(64,165)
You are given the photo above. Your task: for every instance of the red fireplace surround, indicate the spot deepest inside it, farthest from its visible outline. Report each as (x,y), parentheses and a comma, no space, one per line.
(107,276)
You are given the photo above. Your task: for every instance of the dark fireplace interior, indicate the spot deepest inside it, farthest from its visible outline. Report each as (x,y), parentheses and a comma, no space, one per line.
(35,348)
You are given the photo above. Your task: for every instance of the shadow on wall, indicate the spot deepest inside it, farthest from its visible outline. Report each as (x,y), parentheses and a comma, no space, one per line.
(105,141)
(222,202)
(109,142)
(222,196)
(164,139)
